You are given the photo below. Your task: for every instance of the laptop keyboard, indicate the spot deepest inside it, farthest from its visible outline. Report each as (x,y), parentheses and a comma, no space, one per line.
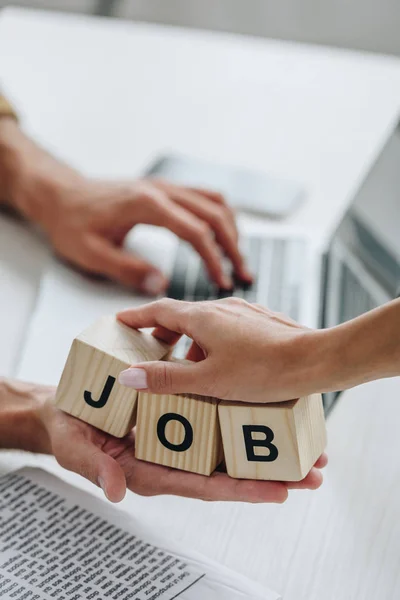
(278,265)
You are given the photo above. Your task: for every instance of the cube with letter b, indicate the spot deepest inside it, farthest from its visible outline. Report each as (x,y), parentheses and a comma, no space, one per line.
(279,441)
(89,388)
(179,431)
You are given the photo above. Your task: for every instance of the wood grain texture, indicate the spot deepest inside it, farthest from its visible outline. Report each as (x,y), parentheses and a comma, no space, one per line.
(292,436)
(205,451)
(98,354)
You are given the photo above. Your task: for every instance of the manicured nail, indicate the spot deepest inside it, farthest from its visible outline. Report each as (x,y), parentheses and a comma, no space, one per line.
(102,485)
(134,378)
(154,283)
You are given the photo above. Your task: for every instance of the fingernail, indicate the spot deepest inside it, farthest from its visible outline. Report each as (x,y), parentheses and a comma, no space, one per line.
(227,282)
(102,485)
(244,271)
(154,283)
(135,378)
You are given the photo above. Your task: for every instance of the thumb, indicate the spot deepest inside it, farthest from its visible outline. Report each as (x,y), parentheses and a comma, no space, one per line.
(164,377)
(86,459)
(126,268)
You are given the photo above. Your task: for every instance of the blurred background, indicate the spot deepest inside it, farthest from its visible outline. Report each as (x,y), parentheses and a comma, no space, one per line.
(361,24)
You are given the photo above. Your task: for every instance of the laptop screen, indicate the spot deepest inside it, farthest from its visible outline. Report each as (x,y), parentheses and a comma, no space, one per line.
(363,260)
(362,267)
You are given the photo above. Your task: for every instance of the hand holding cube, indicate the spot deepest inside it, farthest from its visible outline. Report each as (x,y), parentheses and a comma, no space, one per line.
(279,441)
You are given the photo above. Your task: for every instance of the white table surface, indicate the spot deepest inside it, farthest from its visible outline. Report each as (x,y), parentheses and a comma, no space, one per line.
(109,96)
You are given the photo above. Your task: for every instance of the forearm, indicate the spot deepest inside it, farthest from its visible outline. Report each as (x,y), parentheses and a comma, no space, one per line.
(361,350)
(20,425)
(15,166)
(28,173)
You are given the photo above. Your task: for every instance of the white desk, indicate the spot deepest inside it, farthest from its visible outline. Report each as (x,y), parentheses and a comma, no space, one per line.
(108,96)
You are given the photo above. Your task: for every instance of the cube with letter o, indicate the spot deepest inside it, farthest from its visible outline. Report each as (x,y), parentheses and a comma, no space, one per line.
(179,431)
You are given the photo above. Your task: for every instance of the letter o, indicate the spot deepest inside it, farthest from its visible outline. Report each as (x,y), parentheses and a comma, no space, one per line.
(187,440)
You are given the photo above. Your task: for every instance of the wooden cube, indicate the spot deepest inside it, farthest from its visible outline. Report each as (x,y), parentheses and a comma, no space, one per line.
(89,387)
(279,441)
(179,431)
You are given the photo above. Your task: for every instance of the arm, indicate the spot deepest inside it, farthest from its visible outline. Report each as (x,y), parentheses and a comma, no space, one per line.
(363,349)
(248,353)
(28,174)
(87,220)
(20,425)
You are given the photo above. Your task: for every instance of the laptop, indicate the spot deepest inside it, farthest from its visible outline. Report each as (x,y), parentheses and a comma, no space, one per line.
(359,270)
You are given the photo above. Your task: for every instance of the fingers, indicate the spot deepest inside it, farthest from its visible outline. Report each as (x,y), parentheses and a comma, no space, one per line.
(216,197)
(200,235)
(322,461)
(160,210)
(221,224)
(314,478)
(171,318)
(163,377)
(212,209)
(172,315)
(312,481)
(167,336)
(125,268)
(149,479)
(191,196)
(195,353)
(220,487)
(88,460)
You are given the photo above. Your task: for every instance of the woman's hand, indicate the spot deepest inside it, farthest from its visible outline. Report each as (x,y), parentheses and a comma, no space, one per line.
(248,353)
(110,463)
(87,220)
(241,351)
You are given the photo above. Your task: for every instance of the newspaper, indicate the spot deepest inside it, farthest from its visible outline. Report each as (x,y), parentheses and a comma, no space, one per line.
(59,542)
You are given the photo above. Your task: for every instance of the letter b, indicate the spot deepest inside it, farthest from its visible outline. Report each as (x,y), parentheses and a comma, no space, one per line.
(251,443)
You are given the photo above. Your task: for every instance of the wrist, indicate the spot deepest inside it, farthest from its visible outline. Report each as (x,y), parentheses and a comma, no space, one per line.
(10,157)
(350,354)
(18,157)
(21,425)
(31,178)
(329,364)
(367,347)
(313,363)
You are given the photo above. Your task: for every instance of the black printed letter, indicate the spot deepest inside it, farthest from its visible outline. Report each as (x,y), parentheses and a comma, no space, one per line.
(187,440)
(250,443)
(105,394)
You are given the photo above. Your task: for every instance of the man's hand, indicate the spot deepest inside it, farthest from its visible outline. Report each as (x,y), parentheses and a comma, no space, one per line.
(110,463)
(30,421)
(87,220)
